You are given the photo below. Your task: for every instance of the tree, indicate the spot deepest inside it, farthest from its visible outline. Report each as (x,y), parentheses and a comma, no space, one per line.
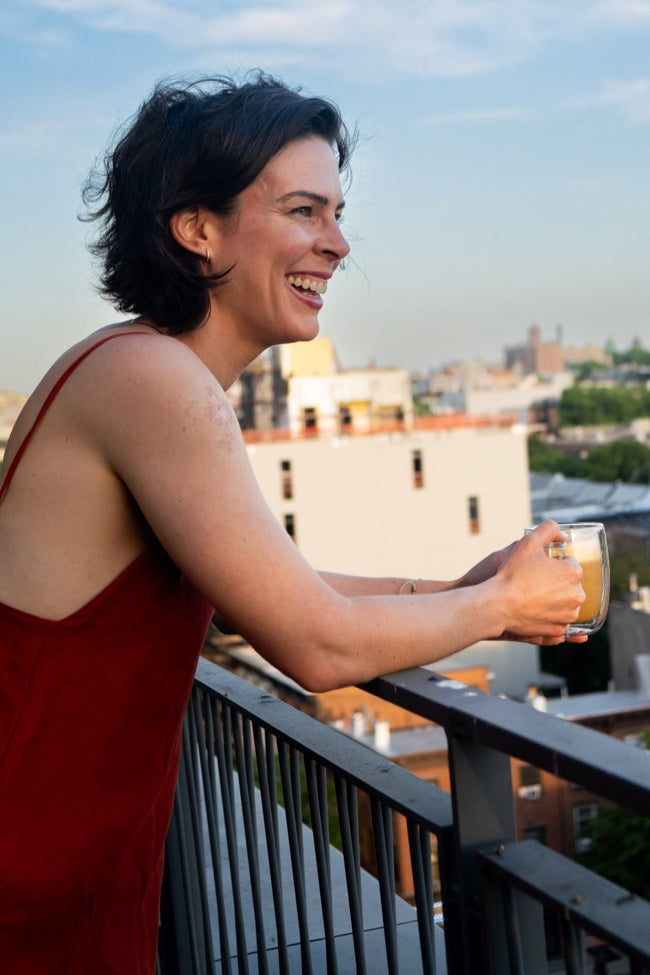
(544,459)
(621,848)
(593,405)
(623,460)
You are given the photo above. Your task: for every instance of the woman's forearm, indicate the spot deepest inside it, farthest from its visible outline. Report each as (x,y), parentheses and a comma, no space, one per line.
(351,585)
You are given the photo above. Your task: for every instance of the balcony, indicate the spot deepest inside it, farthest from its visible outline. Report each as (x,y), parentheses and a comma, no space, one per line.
(281,856)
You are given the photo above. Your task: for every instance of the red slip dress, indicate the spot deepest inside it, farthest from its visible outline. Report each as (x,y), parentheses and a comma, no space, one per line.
(91,711)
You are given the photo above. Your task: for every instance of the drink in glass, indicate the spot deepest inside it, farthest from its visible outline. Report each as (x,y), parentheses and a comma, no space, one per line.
(587,543)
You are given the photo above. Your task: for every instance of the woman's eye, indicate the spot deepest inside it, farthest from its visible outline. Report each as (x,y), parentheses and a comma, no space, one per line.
(304,211)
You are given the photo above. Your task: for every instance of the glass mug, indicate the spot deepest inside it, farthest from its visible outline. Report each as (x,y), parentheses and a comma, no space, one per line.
(586,541)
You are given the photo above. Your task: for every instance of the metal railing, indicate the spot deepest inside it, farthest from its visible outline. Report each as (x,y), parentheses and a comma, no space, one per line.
(275,814)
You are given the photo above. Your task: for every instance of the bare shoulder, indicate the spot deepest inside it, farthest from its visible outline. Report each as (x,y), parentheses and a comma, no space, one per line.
(149,382)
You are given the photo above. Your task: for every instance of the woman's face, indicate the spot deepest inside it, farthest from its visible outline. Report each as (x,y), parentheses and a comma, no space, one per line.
(285,243)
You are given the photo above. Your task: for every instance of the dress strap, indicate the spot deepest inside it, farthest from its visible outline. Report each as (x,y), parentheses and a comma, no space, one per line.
(48,402)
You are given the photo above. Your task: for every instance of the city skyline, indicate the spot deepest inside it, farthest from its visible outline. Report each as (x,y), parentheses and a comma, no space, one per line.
(499,181)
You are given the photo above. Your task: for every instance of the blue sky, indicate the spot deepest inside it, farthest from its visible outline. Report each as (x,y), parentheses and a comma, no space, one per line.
(502,177)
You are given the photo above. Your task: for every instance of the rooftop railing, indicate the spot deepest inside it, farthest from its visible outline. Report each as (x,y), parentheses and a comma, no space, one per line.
(276,815)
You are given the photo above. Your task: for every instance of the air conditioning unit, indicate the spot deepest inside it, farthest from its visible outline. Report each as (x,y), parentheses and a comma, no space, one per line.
(530,791)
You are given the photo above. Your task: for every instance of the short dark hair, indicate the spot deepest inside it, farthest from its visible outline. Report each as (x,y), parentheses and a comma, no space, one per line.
(191,143)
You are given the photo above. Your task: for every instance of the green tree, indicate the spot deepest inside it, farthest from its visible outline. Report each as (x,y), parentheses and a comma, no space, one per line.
(544,459)
(621,848)
(636,355)
(583,370)
(623,460)
(594,405)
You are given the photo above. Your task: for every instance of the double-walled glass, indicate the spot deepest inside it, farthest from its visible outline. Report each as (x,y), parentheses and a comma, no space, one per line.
(586,541)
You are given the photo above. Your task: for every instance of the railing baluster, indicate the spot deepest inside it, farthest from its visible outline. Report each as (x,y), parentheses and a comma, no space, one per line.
(346,801)
(243,753)
(193,748)
(320,834)
(290,777)
(382,828)
(223,731)
(572,948)
(420,848)
(212,818)
(512,931)
(266,770)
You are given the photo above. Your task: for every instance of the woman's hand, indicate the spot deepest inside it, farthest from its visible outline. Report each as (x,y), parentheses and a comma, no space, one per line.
(486,568)
(542,595)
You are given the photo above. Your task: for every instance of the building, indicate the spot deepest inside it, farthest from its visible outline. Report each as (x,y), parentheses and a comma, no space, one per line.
(535,356)
(430,501)
(324,398)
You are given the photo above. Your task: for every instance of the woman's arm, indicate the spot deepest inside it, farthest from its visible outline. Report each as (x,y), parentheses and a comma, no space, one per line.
(350,585)
(167,430)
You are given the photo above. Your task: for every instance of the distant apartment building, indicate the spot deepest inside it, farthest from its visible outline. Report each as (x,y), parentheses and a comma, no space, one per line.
(536,356)
(324,398)
(494,392)
(302,387)
(259,395)
(577,355)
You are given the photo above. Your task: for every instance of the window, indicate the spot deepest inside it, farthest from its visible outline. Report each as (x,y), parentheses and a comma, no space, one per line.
(310,419)
(290,526)
(418,473)
(473,515)
(287,479)
(345,419)
(530,782)
(582,816)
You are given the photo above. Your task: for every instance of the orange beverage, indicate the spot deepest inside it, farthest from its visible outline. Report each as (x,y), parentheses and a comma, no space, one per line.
(592,583)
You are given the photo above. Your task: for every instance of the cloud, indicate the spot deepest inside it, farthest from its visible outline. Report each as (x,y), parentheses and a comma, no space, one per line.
(480,115)
(631,99)
(445,38)
(623,12)
(414,37)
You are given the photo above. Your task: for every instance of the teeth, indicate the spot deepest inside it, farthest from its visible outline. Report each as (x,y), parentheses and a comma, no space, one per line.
(308,284)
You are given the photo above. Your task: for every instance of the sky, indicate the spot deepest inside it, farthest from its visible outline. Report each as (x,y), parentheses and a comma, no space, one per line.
(501,180)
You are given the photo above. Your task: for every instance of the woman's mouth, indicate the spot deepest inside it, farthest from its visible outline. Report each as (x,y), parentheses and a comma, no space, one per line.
(307,284)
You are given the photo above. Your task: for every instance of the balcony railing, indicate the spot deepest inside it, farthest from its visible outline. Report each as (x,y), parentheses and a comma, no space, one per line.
(276,814)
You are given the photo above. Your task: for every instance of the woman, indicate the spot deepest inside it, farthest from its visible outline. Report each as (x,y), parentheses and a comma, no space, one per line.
(129,516)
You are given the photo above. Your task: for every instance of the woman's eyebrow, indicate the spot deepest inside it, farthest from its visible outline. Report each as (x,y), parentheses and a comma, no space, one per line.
(308,194)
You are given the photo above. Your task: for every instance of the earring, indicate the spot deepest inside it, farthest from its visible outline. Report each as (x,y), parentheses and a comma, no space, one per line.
(207,255)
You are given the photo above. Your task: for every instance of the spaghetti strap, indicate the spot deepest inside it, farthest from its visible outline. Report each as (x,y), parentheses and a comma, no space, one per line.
(48,402)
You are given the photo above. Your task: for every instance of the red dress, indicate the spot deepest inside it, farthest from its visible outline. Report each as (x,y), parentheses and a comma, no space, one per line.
(91,710)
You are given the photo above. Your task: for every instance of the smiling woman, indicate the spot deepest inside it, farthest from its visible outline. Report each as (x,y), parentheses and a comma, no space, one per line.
(129,517)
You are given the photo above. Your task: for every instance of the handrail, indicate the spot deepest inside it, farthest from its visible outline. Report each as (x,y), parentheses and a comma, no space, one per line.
(600,763)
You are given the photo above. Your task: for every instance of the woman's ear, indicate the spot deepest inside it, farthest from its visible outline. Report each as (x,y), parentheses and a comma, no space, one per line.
(190,228)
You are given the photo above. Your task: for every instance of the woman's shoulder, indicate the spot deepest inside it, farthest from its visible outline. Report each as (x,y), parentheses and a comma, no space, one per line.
(117,356)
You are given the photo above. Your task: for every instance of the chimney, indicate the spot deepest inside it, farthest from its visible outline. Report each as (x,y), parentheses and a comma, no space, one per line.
(382,735)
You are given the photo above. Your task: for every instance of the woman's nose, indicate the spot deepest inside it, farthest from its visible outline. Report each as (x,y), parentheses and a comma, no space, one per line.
(335,244)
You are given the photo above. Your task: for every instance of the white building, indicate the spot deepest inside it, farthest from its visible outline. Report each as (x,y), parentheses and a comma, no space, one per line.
(324,398)
(428,501)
